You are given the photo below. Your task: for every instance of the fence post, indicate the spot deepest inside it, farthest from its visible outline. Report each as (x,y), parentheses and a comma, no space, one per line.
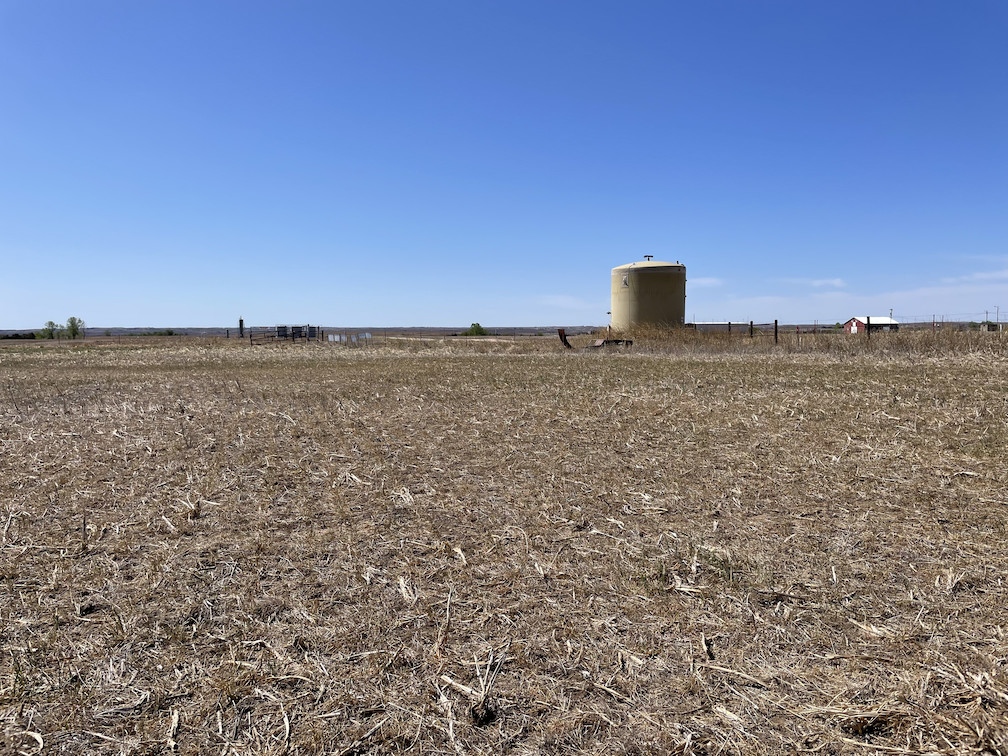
(868,326)
(750,329)
(729,326)
(775,332)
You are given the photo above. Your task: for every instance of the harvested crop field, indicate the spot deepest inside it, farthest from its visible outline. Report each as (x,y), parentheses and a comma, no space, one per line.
(208,548)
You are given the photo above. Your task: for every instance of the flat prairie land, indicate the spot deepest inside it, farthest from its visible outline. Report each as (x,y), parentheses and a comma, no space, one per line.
(484,549)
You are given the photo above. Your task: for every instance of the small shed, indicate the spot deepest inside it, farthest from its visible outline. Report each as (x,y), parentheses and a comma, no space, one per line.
(860,324)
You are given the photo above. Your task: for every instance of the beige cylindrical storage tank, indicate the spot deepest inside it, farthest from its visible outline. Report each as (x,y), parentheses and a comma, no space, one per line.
(648,292)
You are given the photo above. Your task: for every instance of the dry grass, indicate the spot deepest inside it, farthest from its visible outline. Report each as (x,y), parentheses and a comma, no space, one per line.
(211,549)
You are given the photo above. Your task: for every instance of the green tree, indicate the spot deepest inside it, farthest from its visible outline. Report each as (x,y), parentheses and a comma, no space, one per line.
(475,330)
(49,330)
(74,327)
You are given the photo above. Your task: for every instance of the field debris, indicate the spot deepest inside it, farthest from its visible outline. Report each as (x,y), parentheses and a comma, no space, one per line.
(205,549)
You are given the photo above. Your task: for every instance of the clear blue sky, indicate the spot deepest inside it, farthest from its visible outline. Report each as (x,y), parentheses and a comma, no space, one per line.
(176,163)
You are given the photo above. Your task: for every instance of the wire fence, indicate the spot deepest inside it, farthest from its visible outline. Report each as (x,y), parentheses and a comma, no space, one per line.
(987,321)
(284,333)
(754,328)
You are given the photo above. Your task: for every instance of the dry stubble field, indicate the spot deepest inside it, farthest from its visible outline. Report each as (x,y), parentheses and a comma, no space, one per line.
(212,549)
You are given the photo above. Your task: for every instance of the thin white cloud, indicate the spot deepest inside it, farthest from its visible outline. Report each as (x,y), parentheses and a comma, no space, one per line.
(704,282)
(986,275)
(817,283)
(991,259)
(969,298)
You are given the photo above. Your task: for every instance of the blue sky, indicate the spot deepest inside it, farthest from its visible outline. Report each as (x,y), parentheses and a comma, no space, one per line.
(438,163)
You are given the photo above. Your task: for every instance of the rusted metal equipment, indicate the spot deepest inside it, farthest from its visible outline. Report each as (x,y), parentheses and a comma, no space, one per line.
(597,344)
(283,333)
(611,343)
